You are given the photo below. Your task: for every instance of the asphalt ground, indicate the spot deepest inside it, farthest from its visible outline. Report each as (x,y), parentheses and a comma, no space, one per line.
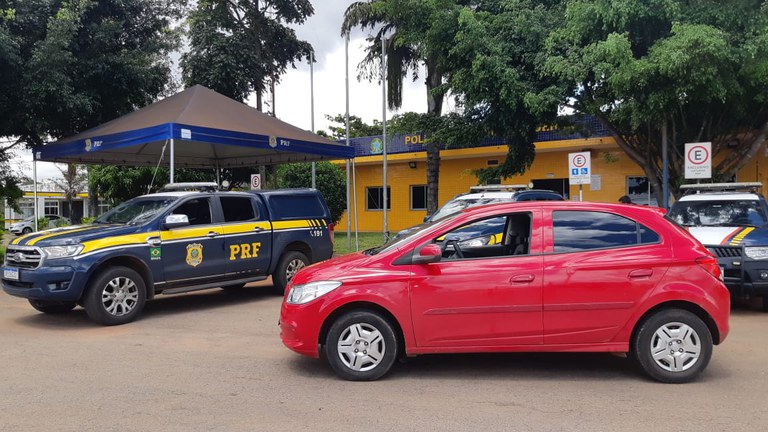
(213,361)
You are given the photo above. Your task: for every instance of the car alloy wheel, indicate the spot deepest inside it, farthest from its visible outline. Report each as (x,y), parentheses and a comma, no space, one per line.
(293,267)
(120,296)
(361,346)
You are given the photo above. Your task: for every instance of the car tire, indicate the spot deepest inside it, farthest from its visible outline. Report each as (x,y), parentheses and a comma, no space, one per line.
(352,339)
(26,231)
(233,287)
(115,296)
(52,307)
(672,346)
(290,263)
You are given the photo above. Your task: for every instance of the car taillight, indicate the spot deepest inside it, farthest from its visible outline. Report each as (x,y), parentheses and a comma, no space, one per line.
(330,230)
(709,263)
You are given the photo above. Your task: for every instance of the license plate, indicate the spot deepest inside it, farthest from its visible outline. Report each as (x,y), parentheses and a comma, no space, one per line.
(10,273)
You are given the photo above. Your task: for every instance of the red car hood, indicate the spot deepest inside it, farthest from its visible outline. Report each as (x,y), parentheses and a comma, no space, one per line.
(332,268)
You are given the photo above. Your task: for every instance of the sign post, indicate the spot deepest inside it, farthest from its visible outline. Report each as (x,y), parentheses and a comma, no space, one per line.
(698,160)
(580,170)
(255,181)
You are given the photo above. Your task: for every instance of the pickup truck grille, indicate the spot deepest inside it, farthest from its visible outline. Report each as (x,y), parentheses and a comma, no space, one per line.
(23,257)
(726,251)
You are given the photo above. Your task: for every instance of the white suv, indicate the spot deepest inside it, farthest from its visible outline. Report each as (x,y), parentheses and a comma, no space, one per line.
(730,220)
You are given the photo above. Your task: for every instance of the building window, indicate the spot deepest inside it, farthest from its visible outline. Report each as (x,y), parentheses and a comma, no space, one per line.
(375,198)
(51,207)
(418,197)
(640,191)
(102,207)
(27,209)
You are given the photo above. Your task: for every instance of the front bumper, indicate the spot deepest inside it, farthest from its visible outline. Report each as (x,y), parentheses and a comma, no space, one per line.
(300,328)
(744,276)
(60,283)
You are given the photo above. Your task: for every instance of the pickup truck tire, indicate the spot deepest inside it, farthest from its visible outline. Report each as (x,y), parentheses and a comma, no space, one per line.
(52,307)
(672,346)
(290,263)
(115,296)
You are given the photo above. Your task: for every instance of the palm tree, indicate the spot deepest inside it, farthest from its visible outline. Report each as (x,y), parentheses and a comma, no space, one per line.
(402,59)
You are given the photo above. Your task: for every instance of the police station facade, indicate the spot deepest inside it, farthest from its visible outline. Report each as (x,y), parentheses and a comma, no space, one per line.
(613,173)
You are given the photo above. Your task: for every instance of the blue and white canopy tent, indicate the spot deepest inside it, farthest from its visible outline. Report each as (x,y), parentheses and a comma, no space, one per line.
(196,128)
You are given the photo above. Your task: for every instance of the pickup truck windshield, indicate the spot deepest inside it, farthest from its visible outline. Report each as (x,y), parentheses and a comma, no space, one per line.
(135,211)
(718,213)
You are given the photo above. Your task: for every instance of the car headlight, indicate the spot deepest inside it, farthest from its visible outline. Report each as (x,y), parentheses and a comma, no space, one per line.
(475,242)
(62,251)
(305,293)
(756,253)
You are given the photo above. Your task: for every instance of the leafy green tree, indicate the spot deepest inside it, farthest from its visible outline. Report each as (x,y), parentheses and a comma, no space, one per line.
(241,46)
(330,180)
(697,69)
(71,65)
(117,184)
(357,127)
(412,31)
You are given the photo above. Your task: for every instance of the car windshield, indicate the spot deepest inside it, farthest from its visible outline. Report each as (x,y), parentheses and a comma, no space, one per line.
(455,206)
(135,211)
(718,213)
(399,239)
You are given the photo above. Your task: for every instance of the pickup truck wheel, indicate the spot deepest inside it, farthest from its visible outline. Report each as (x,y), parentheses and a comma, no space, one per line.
(290,264)
(115,296)
(672,346)
(361,346)
(52,307)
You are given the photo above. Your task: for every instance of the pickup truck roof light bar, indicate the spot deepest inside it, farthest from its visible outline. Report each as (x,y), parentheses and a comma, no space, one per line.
(721,187)
(191,186)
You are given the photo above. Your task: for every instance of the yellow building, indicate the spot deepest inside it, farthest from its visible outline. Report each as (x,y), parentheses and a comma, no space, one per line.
(613,173)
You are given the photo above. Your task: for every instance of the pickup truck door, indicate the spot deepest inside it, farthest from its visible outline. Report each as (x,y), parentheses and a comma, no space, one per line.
(193,254)
(247,237)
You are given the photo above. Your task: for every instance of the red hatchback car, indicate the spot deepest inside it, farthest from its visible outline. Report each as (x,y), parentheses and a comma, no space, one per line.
(555,276)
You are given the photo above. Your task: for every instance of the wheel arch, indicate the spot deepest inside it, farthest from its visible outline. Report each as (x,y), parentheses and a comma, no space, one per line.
(131,262)
(684,305)
(298,246)
(368,307)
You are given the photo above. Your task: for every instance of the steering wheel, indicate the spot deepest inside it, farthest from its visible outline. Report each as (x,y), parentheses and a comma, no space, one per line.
(456,249)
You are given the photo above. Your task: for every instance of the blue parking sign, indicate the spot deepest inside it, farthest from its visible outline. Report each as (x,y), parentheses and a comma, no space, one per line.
(585,171)
(575,171)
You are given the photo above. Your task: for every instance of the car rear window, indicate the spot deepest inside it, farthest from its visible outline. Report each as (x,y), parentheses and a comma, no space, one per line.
(585,230)
(297,207)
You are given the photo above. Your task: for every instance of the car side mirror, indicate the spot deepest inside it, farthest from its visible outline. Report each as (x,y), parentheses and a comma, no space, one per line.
(428,254)
(175,221)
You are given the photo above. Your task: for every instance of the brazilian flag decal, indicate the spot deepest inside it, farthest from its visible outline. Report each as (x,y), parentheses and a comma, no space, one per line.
(155,253)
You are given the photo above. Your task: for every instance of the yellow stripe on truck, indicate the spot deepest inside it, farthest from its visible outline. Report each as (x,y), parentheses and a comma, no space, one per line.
(279,225)
(58,233)
(736,240)
(245,227)
(123,240)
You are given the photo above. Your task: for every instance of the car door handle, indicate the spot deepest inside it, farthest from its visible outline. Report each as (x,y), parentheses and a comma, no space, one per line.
(523,278)
(640,273)
(154,241)
(212,234)
(258,229)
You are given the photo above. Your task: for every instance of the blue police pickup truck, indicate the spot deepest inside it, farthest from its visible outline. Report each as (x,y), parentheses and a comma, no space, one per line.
(166,243)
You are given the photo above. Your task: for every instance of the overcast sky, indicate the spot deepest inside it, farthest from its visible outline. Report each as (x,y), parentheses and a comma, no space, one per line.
(322,30)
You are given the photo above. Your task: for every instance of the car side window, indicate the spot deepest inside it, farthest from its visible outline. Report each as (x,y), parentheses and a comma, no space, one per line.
(237,209)
(198,210)
(488,238)
(585,230)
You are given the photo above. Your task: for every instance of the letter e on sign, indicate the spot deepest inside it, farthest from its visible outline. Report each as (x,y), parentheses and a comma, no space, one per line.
(698,160)
(255,181)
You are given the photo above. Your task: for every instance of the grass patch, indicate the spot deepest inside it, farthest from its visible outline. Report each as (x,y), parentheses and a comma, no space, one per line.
(367,240)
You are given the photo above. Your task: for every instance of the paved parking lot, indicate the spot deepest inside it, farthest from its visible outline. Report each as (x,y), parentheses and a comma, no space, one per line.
(213,361)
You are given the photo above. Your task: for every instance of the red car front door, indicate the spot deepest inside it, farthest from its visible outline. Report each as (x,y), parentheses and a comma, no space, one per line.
(480,301)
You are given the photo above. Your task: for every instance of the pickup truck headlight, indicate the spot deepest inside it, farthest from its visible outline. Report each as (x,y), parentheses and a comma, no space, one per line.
(475,242)
(62,251)
(756,253)
(305,293)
